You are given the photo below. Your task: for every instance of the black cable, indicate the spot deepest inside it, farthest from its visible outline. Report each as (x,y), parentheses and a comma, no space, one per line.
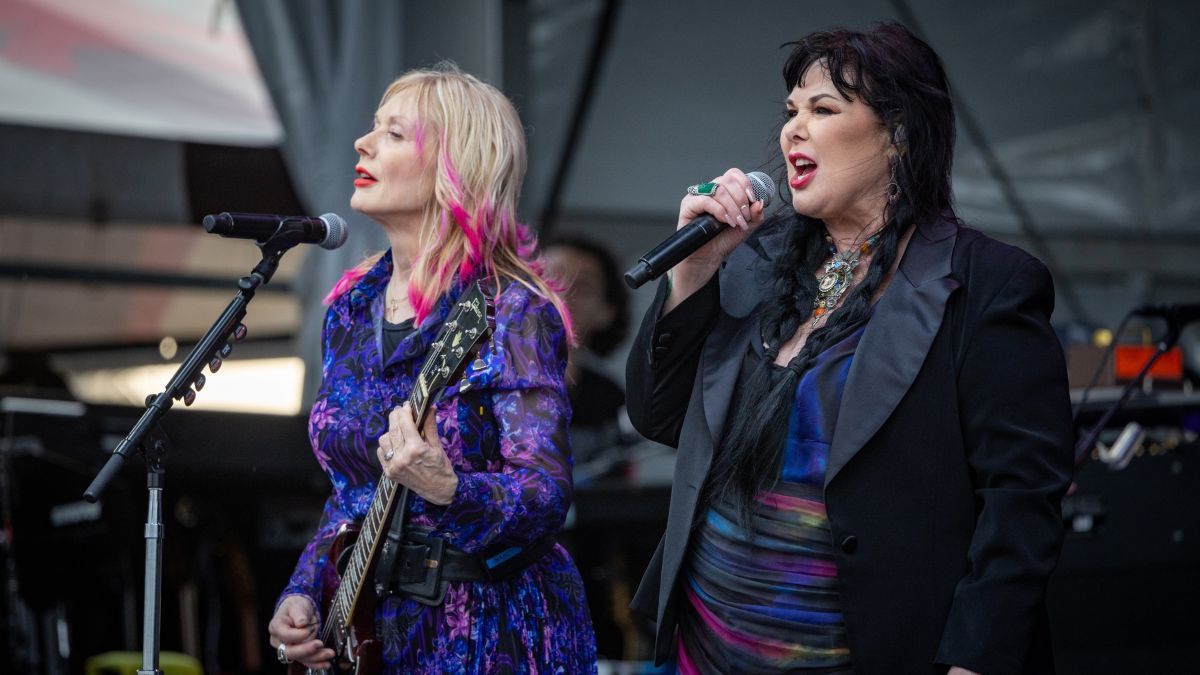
(1100,369)
(583,105)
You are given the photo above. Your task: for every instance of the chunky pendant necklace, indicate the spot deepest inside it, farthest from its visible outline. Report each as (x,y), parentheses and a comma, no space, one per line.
(839,272)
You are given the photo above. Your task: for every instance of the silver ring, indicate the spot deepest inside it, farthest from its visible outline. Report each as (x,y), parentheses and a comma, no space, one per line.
(387,456)
(281,656)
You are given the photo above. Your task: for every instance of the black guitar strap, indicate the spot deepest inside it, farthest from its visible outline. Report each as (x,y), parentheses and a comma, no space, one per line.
(391,546)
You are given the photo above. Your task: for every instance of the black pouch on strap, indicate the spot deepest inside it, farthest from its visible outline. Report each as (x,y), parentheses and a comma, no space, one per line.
(418,571)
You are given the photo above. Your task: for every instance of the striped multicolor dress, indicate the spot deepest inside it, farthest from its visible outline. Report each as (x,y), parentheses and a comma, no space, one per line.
(765,600)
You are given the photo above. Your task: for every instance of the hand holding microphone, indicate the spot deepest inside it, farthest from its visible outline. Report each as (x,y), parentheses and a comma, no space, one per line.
(710,226)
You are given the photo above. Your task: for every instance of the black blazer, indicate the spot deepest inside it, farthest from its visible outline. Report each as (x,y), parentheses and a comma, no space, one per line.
(951,454)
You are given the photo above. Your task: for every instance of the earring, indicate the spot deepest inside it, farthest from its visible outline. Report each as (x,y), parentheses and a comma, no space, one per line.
(892,191)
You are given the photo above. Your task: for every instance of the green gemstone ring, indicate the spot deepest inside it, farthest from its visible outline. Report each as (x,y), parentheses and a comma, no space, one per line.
(704,189)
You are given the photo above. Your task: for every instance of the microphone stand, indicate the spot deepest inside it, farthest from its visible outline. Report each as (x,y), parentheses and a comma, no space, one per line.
(1174,327)
(147,436)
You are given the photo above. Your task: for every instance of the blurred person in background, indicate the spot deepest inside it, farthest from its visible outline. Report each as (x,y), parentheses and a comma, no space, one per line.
(599,305)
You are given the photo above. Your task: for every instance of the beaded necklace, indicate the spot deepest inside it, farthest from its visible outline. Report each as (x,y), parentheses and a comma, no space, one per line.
(839,272)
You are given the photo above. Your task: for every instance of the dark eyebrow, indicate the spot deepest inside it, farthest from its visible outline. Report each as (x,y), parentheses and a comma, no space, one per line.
(814,98)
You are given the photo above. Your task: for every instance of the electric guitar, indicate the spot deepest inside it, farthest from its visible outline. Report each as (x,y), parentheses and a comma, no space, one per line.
(349,611)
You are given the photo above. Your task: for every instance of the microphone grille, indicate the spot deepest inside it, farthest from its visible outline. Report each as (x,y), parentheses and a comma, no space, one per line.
(335,231)
(763,187)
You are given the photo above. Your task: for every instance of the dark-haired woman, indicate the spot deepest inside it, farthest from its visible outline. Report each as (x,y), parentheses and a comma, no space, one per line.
(869,402)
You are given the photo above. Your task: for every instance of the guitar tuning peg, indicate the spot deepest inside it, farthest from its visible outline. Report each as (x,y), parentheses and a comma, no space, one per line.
(226,350)
(215,364)
(239,331)
(200,380)
(479,364)
(189,397)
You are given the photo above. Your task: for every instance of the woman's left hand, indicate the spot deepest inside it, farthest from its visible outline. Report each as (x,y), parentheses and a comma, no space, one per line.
(961,671)
(418,462)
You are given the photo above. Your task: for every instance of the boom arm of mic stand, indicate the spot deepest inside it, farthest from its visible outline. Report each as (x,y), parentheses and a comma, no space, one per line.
(190,370)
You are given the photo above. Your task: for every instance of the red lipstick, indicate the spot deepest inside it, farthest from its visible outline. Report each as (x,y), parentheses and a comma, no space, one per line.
(801,169)
(365,179)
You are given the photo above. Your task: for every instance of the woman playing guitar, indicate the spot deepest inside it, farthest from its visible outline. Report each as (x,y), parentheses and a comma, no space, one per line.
(468,575)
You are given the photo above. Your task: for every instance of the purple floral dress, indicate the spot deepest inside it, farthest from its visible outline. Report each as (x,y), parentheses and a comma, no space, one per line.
(507,438)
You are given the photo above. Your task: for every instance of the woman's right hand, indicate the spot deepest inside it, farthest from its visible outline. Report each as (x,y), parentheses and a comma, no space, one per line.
(295,625)
(732,204)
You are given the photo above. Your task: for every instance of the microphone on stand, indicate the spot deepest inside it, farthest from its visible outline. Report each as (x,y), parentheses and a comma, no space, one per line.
(327,231)
(687,239)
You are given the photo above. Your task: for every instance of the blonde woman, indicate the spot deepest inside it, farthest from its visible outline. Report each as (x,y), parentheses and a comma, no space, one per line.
(440,170)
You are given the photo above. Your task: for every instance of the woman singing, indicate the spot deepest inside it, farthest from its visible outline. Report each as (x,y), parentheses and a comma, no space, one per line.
(869,402)
(440,170)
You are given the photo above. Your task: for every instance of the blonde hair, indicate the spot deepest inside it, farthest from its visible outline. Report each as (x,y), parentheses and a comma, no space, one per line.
(470,227)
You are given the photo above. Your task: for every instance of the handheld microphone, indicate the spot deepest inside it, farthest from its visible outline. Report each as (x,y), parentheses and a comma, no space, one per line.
(328,231)
(687,239)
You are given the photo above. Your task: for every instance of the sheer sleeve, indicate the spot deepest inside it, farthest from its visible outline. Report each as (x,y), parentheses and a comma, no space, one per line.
(528,498)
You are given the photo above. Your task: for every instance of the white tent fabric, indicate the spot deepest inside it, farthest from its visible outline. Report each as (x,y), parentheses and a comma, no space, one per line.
(150,68)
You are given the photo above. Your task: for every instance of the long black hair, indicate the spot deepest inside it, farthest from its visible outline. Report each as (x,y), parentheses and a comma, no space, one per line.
(902,80)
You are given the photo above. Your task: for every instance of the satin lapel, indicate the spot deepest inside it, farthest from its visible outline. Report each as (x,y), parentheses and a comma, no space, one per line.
(896,342)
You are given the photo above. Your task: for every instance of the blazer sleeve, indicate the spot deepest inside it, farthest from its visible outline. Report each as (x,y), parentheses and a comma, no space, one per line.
(661,367)
(1016,421)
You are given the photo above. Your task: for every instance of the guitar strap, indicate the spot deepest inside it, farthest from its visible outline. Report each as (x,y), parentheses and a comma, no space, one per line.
(391,547)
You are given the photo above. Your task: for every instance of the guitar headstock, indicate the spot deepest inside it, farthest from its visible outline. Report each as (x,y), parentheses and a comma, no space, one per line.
(468,325)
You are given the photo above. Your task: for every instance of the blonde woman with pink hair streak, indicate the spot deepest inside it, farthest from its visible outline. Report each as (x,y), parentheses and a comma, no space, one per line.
(490,474)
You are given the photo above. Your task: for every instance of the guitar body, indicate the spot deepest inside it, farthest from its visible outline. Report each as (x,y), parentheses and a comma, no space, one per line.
(358,652)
